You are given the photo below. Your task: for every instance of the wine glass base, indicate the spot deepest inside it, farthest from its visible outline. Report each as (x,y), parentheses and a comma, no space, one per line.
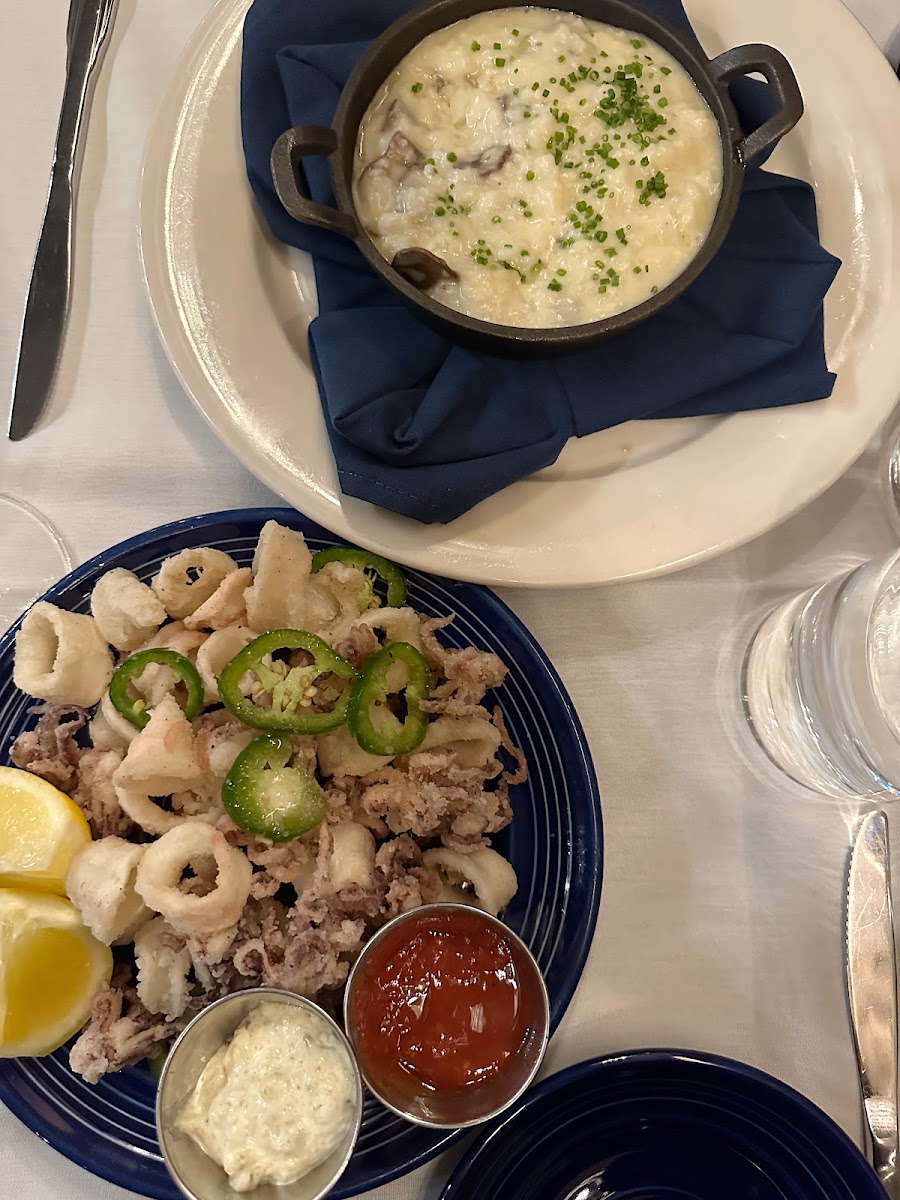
(33,556)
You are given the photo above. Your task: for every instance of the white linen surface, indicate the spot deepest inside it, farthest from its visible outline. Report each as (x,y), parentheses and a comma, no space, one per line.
(721,919)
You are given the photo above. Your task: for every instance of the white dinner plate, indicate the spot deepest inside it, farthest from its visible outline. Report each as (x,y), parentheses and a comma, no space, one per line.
(233,306)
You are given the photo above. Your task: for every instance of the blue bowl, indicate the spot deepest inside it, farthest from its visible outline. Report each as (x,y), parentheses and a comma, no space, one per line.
(663,1125)
(555,844)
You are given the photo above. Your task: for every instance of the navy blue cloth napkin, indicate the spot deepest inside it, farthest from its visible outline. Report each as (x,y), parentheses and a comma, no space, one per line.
(428,429)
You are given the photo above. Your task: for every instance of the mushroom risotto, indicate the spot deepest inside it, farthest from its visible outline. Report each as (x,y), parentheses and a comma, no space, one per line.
(533,168)
(273,764)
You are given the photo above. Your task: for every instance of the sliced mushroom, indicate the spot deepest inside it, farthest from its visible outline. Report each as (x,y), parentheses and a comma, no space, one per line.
(489,161)
(399,114)
(398,159)
(422,268)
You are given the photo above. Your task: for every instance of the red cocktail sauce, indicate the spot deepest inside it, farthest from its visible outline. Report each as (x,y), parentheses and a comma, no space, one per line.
(440,1004)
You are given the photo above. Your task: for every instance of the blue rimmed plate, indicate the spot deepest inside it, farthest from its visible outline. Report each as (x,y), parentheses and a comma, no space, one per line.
(555,844)
(663,1125)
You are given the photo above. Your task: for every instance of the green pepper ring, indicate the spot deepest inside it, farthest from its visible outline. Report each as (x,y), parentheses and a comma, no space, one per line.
(270,719)
(371,687)
(184,670)
(244,786)
(350,556)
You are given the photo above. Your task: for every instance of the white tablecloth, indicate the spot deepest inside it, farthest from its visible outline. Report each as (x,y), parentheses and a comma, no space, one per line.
(720,923)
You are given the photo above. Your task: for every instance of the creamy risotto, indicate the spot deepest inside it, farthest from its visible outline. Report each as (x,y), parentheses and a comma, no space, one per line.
(534,168)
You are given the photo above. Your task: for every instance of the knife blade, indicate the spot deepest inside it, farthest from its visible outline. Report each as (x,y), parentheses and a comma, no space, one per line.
(872,985)
(47,306)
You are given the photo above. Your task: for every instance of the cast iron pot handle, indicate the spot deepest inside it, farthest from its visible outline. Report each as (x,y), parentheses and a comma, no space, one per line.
(780,76)
(290,182)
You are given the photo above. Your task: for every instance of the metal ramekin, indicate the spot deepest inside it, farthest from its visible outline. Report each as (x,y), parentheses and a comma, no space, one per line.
(197,1176)
(338,142)
(471,1107)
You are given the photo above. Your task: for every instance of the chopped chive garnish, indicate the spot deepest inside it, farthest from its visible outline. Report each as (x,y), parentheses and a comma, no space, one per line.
(663,103)
(654,290)
(535,86)
(451,157)
(666,70)
(657,89)
(476,45)
(645,161)
(554,285)
(500,62)
(638,42)
(417,87)
(562,58)
(497,46)
(561,270)
(620,234)
(496,220)
(526,113)
(637,270)
(515,33)
(529,175)
(440,212)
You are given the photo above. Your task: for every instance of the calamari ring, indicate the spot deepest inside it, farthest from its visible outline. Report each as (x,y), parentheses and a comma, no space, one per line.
(126,610)
(111,724)
(281,569)
(352,859)
(151,817)
(226,606)
(182,595)
(216,652)
(163,963)
(160,871)
(61,657)
(100,883)
(491,878)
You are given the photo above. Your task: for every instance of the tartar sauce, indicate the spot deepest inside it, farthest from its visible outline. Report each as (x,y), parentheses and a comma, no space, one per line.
(275,1101)
(531,167)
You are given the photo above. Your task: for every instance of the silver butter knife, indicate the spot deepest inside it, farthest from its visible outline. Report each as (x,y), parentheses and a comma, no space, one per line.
(872,982)
(47,308)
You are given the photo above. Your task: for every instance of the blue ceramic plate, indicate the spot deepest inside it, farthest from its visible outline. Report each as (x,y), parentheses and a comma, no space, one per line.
(555,844)
(663,1125)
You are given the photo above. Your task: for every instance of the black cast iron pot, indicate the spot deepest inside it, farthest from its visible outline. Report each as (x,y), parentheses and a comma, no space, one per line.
(338,142)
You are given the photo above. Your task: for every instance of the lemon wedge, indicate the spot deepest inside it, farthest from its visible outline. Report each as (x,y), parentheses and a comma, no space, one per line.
(41,831)
(50,967)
